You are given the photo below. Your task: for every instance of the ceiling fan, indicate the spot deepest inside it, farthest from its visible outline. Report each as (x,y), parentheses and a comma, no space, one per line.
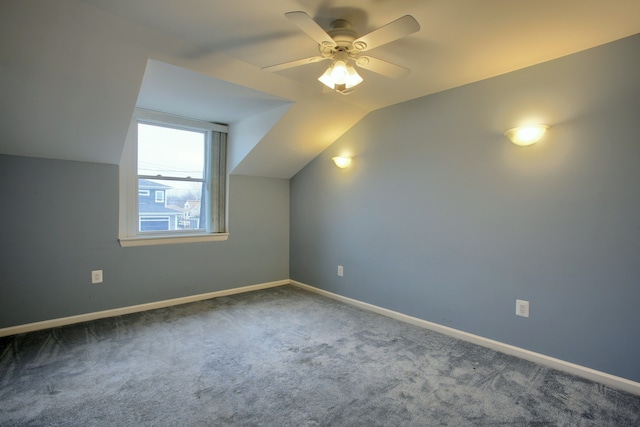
(342,45)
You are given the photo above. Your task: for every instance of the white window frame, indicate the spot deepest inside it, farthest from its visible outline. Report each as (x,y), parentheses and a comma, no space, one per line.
(161,194)
(216,215)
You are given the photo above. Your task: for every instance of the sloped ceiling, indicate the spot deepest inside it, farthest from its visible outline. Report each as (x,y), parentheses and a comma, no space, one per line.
(72,72)
(190,94)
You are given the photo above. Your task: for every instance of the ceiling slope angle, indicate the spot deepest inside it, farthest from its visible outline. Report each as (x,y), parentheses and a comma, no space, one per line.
(72,69)
(249,113)
(68,85)
(175,90)
(458,42)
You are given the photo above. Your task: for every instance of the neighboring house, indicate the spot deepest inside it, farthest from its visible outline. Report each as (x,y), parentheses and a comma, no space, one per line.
(191,215)
(162,208)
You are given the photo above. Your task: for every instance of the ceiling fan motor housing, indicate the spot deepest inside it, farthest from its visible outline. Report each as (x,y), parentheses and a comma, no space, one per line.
(343,35)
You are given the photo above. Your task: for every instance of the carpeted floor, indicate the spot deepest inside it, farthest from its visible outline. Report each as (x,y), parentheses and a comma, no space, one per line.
(283,357)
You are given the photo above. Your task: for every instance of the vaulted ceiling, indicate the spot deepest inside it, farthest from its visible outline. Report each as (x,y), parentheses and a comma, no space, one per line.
(72,71)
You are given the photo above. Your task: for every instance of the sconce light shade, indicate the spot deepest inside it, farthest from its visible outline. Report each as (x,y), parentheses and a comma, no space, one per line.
(342,162)
(526,135)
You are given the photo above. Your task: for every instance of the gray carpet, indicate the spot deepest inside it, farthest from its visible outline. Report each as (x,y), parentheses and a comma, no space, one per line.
(283,357)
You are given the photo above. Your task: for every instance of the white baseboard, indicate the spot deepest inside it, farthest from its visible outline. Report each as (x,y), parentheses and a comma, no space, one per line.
(46,324)
(551,362)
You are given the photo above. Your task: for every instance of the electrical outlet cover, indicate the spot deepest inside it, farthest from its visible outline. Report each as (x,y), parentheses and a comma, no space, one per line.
(522,308)
(96,276)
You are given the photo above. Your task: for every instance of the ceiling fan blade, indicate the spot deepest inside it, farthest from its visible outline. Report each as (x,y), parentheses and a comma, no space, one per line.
(295,63)
(311,27)
(383,68)
(395,30)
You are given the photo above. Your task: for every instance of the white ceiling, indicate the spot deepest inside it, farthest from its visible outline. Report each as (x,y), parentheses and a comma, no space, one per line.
(72,71)
(198,96)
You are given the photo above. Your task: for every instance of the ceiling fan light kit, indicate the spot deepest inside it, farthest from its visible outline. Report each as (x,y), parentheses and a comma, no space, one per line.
(342,46)
(341,75)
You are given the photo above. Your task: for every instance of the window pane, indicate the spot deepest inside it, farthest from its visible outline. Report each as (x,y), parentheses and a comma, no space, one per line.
(170,152)
(165,205)
(154,223)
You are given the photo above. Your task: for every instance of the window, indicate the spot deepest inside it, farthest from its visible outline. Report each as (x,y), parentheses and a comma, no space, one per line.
(159,196)
(172,181)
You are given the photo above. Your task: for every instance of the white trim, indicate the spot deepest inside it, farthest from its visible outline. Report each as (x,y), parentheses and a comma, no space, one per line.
(46,324)
(163,118)
(551,362)
(127,242)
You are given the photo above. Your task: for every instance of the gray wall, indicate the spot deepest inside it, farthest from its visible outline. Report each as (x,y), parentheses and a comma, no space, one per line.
(59,221)
(442,218)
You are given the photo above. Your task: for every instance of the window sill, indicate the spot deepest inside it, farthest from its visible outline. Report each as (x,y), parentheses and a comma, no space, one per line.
(127,242)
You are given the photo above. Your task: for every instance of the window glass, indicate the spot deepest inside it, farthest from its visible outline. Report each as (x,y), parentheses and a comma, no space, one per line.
(170,152)
(171,172)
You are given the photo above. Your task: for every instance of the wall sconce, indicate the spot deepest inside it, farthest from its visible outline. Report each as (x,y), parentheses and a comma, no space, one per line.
(342,162)
(526,135)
